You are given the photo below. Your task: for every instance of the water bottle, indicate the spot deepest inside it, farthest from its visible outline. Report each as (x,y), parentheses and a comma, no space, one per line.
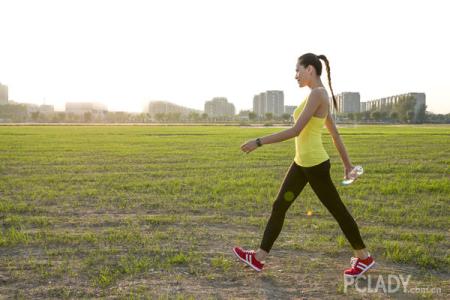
(354,173)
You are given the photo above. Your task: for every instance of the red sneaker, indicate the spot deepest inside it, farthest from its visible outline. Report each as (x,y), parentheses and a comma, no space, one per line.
(359,266)
(248,256)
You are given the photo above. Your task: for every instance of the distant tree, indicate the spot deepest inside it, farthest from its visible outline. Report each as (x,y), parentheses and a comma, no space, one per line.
(35,116)
(174,116)
(160,117)
(384,115)
(393,116)
(118,117)
(268,116)
(142,117)
(351,116)
(438,118)
(252,115)
(204,116)
(109,117)
(408,103)
(286,117)
(122,116)
(13,112)
(421,115)
(366,115)
(54,118)
(87,117)
(61,116)
(43,117)
(403,106)
(71,117)
(376,115)
(410,116)
(194,116)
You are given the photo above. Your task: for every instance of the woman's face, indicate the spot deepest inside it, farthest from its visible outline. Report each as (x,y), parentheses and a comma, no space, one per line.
(302,74)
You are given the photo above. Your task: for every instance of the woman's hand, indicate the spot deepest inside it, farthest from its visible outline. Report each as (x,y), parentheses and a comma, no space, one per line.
(249,146)
(347,170)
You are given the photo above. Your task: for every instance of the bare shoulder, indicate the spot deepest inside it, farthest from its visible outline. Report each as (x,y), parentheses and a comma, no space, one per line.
(320,95)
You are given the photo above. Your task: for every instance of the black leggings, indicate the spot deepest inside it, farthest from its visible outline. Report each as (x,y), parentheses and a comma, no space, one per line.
(319,178)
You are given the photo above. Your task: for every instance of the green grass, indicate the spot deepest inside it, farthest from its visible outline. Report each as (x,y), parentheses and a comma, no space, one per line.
(153,211)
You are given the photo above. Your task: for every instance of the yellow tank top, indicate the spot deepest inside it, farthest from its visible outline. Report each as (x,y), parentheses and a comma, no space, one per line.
(309,150)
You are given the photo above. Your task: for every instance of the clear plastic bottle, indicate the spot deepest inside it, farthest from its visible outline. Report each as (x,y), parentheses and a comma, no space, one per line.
(354,173)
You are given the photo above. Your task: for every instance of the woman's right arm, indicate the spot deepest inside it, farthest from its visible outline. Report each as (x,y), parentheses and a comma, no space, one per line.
(338,143)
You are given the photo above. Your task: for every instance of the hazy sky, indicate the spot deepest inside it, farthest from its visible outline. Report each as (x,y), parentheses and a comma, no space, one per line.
(123,53)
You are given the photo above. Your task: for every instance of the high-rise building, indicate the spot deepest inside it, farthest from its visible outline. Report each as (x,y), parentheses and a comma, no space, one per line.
(3,94)
(269,102)
(219,107)
(275,102)
(256,105)
(347,102)
(262,104)
(363,106)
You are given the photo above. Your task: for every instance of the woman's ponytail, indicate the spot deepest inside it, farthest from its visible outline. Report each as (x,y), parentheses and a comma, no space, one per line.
(327,65)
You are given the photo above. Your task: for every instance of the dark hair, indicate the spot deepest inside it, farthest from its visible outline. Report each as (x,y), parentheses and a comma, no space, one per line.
(314,60)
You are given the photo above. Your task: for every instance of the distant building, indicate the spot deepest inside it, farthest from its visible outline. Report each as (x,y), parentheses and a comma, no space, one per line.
(363,106)
(219,107)
(275,102)
(289,109)
(80,108)
(31,107)
(3,94)
(269,102)
(46,109)
(244,115)
(347,102)
(165,107)
(259,105)
(377,104)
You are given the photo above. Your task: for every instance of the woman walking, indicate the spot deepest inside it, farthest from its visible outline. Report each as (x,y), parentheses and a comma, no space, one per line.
(311,165)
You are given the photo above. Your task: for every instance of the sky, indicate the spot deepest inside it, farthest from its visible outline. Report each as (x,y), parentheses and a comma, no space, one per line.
(126,53)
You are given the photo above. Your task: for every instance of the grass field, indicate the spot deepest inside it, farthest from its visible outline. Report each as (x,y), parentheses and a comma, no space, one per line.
(153,211)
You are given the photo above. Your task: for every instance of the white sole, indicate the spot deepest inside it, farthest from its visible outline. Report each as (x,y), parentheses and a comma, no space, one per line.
(246,262)
(362,272)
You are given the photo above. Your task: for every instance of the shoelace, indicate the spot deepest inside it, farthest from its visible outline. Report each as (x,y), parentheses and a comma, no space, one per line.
(353,261)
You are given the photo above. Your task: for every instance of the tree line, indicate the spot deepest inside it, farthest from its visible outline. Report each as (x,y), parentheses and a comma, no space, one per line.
(402,112)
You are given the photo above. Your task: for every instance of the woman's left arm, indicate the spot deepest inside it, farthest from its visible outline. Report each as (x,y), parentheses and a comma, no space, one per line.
(311,106)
